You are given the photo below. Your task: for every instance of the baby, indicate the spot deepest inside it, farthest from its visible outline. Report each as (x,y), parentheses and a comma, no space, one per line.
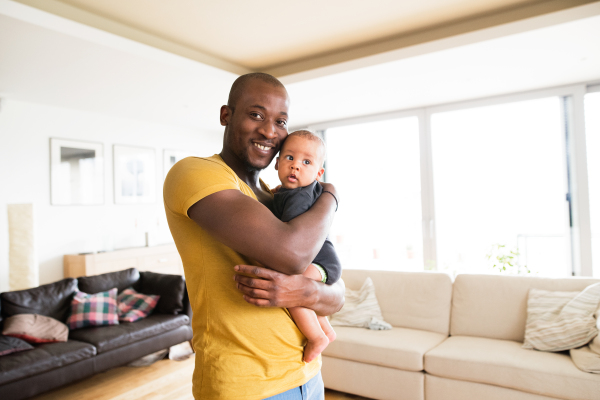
(300,166)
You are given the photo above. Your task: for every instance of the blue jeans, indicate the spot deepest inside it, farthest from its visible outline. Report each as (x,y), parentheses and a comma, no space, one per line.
(311,390)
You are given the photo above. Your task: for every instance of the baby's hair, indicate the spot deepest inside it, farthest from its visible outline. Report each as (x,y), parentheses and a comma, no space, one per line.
(303,133)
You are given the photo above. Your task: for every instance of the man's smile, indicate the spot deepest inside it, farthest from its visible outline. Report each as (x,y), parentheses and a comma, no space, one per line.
(264,147)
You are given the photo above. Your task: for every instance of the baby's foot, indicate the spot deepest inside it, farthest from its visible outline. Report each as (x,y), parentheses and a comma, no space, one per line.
(327,329)
(315,347)
(331,335)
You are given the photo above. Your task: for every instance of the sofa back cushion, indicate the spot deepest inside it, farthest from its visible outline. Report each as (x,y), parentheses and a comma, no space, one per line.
(416,300)
(495,306)
(104,282)
(52,300)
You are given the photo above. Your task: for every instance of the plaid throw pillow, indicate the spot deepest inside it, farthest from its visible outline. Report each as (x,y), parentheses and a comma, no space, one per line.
(93,309)
(134,306)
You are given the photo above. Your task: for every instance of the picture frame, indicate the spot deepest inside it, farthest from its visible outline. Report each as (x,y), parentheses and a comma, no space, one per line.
(76,172)
(170,157)
(134,170)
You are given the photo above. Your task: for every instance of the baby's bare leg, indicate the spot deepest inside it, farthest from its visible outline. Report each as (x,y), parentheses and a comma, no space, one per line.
(307,322)
(317,330)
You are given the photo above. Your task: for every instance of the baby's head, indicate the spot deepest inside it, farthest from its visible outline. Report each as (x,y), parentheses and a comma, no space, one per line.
(300,160)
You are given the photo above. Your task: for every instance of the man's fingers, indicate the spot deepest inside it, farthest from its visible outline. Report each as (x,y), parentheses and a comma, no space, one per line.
(260,272)
(258,302)
(253,282)
(252,292)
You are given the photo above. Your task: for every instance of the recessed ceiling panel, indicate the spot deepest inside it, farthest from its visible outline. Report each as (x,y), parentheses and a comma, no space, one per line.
(264,33)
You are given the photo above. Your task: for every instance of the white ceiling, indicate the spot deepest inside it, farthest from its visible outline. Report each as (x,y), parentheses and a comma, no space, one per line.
(52,60)
(558,55)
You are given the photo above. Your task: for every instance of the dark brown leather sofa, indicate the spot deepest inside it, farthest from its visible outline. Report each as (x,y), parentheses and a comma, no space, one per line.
(96,349)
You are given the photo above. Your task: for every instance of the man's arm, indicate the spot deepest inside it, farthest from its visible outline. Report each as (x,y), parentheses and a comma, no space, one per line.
(248,227)
(268,288)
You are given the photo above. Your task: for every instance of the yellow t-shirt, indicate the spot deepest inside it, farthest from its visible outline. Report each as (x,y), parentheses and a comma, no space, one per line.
(242,351)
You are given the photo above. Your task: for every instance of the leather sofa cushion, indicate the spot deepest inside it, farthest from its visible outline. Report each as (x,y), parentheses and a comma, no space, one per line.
(399,348)
(505,363)
(101,283)
(52,300)
(106,338)
(9,345)
(43,358)
(495,307)
(415,300)
(170,288)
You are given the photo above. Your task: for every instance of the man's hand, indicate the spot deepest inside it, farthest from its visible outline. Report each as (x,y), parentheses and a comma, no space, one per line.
(268,288)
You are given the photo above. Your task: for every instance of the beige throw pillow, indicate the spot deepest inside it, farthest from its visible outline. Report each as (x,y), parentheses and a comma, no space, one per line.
(558,321)
(361,309)
(586,360)
(35,328)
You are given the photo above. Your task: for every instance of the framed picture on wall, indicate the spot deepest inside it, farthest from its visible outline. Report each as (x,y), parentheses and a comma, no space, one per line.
(76,172)
(170,157)
(135,174)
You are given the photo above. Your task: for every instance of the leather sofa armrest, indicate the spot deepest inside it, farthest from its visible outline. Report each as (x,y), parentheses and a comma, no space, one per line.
(187,306)
(170,288)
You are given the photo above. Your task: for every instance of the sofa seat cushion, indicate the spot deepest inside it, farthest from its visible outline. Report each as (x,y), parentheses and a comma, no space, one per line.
(106,338)
(399,348)
(43,358)
(505,363)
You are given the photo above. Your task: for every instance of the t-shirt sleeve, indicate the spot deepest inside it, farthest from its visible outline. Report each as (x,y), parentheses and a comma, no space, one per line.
(192,179)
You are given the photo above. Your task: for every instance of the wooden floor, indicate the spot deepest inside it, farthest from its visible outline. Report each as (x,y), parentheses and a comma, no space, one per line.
(163,380)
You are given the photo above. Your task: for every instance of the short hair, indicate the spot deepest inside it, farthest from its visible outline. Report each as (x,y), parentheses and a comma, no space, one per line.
(306,134)
(240,83)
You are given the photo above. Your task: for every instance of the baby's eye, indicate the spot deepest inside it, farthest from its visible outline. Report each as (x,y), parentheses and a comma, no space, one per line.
(289,158)
(306,162)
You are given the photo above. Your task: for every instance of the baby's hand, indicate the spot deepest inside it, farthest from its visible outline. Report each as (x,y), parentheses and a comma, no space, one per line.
(276,189)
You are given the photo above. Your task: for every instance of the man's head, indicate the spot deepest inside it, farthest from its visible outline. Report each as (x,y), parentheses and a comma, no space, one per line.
(255,120)
(300,161)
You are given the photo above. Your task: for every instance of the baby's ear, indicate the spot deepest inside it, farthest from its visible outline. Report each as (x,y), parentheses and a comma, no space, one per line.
(320,174)
(277,164)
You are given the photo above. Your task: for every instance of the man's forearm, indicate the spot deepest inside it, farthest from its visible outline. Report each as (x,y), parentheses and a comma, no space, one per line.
(249,228)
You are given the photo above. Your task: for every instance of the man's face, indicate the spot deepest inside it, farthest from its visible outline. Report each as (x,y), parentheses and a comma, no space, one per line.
(300,162)
(257,126)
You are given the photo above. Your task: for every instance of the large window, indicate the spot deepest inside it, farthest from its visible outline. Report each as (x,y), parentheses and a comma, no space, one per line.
(592,129)
(461,187)
(499,180)
(375,166)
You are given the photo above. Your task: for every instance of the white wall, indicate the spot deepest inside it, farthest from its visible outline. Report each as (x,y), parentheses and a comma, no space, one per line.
(25,132)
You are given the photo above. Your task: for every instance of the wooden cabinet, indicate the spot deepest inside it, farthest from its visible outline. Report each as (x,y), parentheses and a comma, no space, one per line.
(162,259)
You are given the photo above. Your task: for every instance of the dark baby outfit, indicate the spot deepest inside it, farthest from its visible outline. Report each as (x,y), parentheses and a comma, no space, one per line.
(288,204)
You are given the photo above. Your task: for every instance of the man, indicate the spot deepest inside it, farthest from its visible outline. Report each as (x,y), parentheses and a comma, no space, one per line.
(244,351)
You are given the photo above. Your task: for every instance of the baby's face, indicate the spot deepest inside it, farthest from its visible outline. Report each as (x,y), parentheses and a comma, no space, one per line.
(300,162)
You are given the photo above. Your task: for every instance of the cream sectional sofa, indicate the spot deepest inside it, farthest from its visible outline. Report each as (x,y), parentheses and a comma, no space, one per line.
(456,340)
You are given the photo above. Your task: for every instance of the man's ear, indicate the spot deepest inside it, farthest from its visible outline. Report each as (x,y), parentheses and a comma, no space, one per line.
(277,164)
(320,174)
(225,115)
